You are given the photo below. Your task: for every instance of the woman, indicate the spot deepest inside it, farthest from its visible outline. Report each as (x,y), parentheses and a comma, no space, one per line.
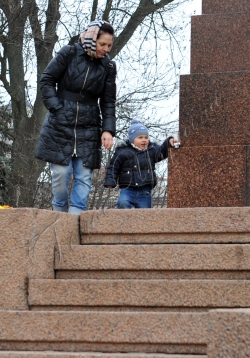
(79,90)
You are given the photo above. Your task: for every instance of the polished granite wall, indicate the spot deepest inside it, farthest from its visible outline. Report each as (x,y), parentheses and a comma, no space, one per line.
(217,6)
(215,109)
(220,42)
(211,168)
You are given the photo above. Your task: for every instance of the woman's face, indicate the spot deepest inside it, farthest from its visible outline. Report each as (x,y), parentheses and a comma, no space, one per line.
(103,45)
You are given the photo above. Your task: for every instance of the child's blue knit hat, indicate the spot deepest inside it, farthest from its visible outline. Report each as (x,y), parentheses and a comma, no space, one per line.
(136,128)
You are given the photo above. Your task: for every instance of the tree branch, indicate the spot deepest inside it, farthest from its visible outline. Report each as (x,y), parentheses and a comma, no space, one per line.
(52,17)
(36,28)
(107,10)
(3,77)
(94,10)
(73,39)
(44,45)
(4,6)
(145,8)
(162,3)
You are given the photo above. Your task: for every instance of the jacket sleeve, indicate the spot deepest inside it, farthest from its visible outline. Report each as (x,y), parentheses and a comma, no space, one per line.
(51,76)
(113,171)
(161,151)
(108,100)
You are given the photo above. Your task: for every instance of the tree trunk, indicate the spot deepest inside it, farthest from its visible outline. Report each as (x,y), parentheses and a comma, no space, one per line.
(15,14)
(25,169)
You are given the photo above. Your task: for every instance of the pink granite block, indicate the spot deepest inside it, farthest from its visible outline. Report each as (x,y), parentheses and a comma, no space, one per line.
(209,220)
(185,350)
(228,334)
(209,257)
(14,292)
(223,6)
(153,275)
(103,327)
(139,293)
(214,109)
(28,238)
(92,355)
(220,42)
(192,237)
(181,350)
(208,177)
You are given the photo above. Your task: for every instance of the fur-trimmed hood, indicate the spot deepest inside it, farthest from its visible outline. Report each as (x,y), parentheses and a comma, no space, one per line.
(120,143)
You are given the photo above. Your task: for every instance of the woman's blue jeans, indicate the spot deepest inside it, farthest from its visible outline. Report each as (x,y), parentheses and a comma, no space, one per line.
(80,190)
(134,198)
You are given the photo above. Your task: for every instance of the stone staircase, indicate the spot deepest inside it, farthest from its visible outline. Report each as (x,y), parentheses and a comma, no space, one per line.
(136,283)
(160,283)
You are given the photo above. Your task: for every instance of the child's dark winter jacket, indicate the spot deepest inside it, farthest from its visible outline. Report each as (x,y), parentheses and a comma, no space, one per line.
(134,168)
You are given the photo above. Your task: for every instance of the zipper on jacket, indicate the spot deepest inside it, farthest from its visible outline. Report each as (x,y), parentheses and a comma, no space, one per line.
(77,111)
(85,79)
(150,170)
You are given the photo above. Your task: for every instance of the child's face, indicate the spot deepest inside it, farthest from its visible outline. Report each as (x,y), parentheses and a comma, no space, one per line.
(141,141)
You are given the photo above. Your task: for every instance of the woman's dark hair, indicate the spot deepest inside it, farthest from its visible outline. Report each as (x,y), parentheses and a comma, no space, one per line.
(106,28)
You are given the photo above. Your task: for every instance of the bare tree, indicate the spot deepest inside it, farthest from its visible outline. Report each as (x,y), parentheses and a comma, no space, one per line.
(30,32)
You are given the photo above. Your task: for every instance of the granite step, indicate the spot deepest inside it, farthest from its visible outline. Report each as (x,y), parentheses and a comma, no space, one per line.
(165,238)
(163,226)
(218,257)
(107,332)
(48,354)
(155,261)
(138,294)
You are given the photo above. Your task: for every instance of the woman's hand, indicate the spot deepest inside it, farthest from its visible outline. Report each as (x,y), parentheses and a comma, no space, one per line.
(107,140)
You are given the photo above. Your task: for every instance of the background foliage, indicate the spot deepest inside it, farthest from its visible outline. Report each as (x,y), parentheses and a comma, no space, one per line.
(148,49)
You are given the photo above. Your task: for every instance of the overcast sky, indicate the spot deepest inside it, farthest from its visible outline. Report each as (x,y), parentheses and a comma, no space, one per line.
(193,8)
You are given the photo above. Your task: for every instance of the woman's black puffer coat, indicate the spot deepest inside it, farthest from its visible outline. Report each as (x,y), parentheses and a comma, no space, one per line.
(72,127)
(134,168)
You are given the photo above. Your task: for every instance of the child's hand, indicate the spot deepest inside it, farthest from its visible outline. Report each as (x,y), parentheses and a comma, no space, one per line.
(173,140)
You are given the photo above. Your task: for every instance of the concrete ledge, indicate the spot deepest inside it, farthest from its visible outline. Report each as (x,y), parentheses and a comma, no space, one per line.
(140,293)
(154,257)
(110,327)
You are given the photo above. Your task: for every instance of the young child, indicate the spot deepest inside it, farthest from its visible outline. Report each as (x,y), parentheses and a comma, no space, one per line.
(132,167)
